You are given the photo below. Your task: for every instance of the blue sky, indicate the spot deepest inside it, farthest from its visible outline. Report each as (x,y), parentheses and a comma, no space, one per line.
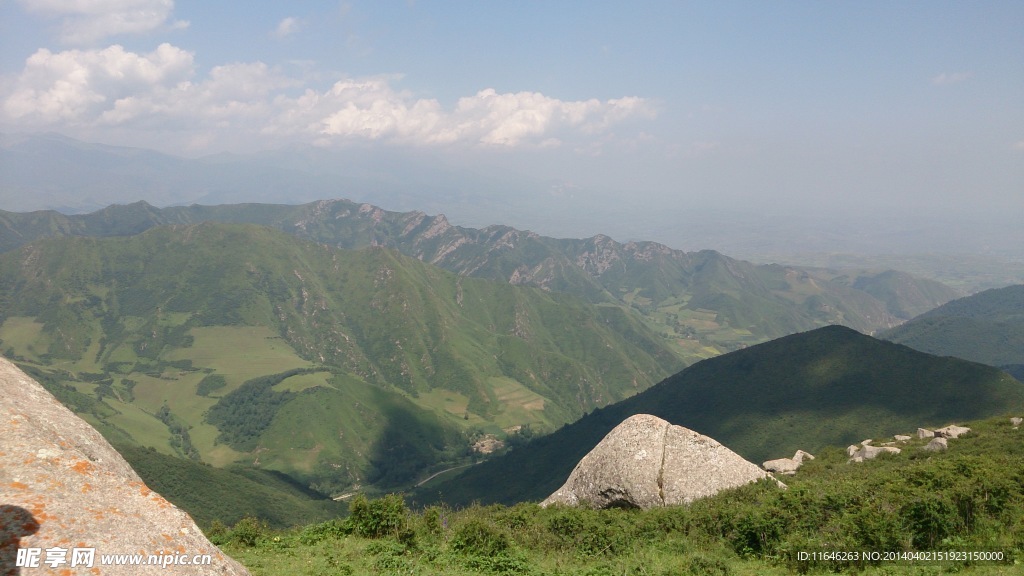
(914,106)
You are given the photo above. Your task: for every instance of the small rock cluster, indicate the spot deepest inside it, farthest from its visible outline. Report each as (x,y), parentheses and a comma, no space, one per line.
(867,450)
(938,443)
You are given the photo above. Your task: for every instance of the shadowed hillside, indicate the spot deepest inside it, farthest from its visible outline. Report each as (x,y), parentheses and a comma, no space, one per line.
(987,327)
(831,386)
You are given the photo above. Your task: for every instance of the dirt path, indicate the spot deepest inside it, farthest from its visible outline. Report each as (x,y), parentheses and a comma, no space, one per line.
(436,474)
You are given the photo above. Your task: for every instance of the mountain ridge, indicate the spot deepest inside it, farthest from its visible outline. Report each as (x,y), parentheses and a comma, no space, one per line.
(703,302)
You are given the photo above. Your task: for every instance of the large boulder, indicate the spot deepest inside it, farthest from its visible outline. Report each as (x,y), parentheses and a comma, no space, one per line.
(65,492)
(645,462)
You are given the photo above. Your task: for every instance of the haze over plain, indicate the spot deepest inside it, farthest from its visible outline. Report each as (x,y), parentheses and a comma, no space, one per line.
(856,127)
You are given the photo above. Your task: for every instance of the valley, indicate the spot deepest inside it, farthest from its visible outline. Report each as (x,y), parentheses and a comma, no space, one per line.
(321,354)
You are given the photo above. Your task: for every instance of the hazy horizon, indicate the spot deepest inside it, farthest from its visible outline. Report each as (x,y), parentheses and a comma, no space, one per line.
(861,127)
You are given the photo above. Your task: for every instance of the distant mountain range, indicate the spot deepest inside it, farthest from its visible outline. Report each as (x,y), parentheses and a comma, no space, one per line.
(703,303)
(51,171)
(987,327)
(830,386)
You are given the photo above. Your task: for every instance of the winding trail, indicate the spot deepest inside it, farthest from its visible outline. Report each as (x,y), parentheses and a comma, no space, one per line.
(436,474)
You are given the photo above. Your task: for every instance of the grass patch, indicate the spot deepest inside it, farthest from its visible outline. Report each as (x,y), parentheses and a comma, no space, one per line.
(970,498)
(239,353)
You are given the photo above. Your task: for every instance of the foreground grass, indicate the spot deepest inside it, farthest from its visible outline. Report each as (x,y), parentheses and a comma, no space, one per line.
(969,499)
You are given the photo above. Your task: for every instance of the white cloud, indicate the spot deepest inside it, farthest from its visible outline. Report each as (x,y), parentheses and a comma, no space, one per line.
(371,109)
(286,27)
(159,91)
(84,22)
(951,78)
(78,86)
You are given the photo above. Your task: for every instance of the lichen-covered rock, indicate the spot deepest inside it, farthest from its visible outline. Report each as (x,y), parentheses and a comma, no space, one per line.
(63,487)
(645,462)
(937,444)
(923,433)
(1016,421)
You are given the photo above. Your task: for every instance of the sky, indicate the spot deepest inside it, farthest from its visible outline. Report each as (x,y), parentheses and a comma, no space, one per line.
(912,108)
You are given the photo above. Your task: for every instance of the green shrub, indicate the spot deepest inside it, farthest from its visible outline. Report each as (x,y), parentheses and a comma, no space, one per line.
(218,533)
(386,516)
(248,531)
(703,566)
(478,537)
(330,530)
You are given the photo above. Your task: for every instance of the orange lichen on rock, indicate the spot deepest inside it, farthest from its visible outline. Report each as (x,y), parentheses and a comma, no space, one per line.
(62,483)
(83,467)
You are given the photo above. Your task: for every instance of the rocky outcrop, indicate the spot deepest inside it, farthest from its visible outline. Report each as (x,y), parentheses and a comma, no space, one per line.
(952,431)
(938,443)
(64,488)
(645,462)
(787,466)
(1016,421)
(869,452)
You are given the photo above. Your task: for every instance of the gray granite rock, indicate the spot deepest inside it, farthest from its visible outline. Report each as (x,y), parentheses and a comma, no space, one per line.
(645,462)
(63,486)
(952,431)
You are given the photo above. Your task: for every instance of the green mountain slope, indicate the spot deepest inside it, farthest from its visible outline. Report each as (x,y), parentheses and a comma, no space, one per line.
(704,303)
(987,327)
(238,343)
(228,495)
(830,386)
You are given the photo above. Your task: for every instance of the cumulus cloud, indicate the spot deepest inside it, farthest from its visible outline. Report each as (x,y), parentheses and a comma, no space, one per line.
(160,90)
(84,22)
(371,109)
(286,27)
(78,86)
(951,78)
